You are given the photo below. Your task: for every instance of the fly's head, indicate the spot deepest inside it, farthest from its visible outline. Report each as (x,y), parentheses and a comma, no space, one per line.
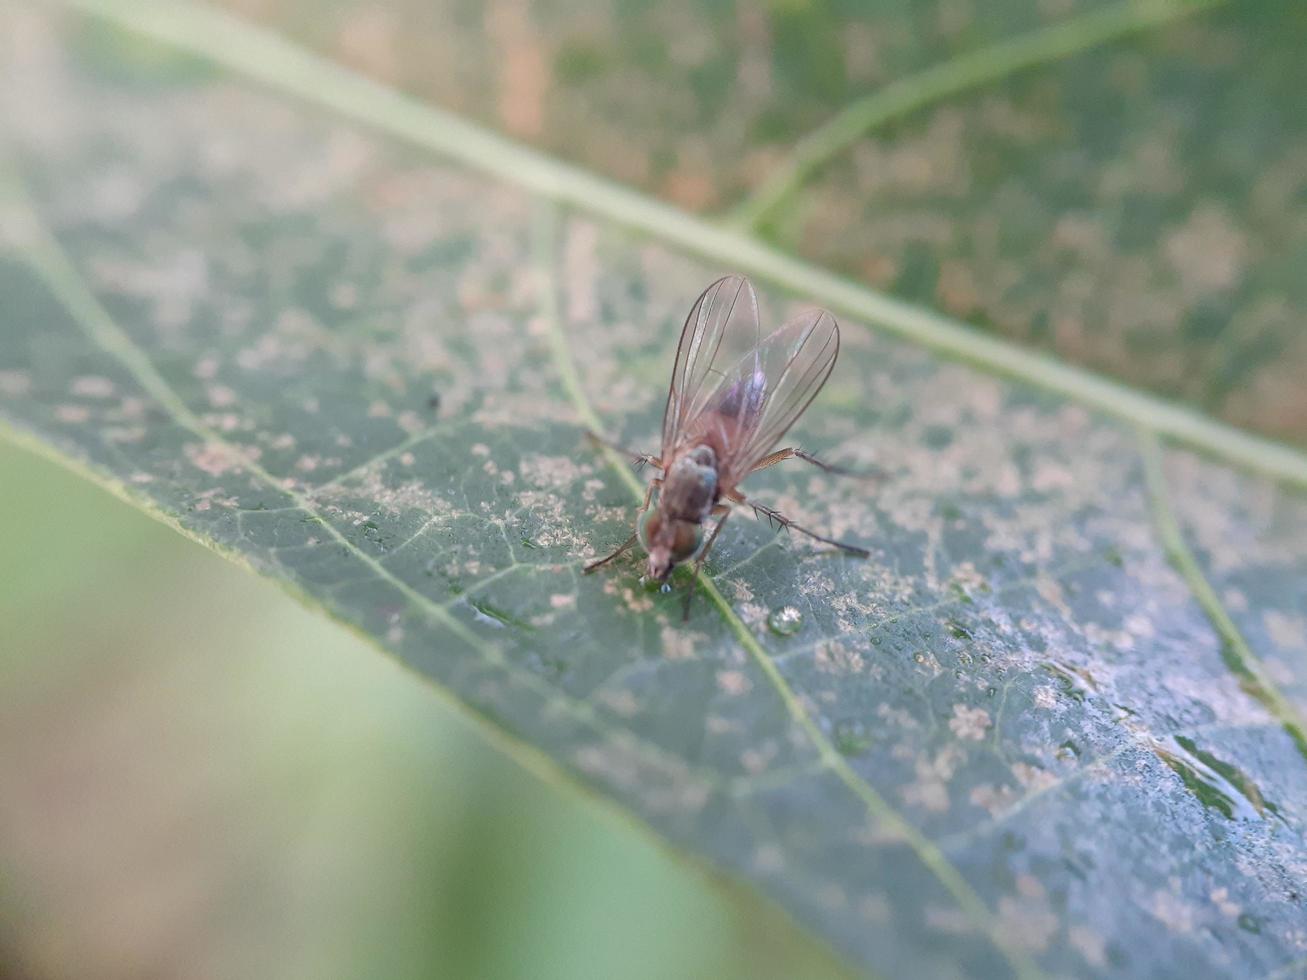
(668,541)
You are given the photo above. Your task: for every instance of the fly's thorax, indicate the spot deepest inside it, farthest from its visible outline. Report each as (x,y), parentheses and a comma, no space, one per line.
(689,489)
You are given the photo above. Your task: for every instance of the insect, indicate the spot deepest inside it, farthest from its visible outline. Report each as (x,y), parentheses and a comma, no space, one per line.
(734,393)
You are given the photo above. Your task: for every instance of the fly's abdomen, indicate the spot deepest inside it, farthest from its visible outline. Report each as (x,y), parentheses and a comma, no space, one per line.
(745,398)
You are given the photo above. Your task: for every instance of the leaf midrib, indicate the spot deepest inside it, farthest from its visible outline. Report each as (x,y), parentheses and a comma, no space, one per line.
(251,51)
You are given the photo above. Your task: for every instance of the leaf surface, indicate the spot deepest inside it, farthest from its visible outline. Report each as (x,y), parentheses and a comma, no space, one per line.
(1053,726)
(1120,182)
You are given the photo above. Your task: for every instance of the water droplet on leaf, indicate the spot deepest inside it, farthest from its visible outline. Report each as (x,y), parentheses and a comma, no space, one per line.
(551,667)
(785,621)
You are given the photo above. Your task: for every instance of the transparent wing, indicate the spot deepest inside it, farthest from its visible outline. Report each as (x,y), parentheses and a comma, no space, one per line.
(721,329)
(764,392)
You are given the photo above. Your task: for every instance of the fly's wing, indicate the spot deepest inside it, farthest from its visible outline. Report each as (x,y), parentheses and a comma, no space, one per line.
(721,328)
(766,390)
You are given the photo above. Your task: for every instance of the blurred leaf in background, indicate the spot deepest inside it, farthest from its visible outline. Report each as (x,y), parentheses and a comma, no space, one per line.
(1012,162)
(198,778)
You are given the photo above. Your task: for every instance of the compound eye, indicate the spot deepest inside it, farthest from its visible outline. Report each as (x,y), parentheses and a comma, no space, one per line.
(689,539)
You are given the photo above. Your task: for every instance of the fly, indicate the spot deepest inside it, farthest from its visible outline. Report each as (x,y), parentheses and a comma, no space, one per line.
(734,393)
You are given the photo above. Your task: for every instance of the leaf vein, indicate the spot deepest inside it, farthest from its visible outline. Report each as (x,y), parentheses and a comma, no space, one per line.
(263,56)
(877,806)
(1235,650)
(971,69)
(1131,740)
(47,260)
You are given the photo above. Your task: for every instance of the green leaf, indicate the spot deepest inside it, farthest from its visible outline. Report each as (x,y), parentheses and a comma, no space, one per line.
(1165,170)
(1011,162)
(1055,725)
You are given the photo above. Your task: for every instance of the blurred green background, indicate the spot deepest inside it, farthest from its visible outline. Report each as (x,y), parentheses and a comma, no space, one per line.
(200,778)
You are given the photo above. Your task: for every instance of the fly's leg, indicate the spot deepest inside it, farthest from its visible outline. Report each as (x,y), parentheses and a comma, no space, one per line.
(599,563)
(639,459)
(781,520)
(703,556)
(794,453)
(626,545)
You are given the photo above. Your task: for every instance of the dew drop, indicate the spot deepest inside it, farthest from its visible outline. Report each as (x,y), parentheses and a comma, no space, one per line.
(665,588)
(1067,751)
(785,621)
(551,667)
(919,657)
